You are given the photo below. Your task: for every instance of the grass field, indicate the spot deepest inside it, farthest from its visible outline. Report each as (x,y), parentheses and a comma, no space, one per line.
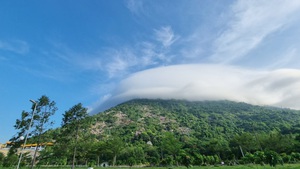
(288,166)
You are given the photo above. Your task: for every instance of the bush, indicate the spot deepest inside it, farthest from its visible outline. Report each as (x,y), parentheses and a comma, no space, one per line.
(1,158)
(10,160)
(273,158)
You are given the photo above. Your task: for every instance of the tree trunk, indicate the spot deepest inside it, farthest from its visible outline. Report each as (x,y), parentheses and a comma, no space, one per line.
(114,160)
(74,158)
(75,148)
(35,151)
(241,151)
(175,158)
(34,156)
(39,140)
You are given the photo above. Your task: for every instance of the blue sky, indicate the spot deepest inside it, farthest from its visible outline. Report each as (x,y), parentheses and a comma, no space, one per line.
(101,53)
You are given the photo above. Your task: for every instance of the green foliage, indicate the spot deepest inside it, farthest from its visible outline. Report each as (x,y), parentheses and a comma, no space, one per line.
(10,160)
(186,159)
(152,155)
(260,157)
(32,125)
(74,126)
(45,108)
(175,132)
(131,161)
(1,158)
(170,144)
(114,146)
(74,115)
(273,158)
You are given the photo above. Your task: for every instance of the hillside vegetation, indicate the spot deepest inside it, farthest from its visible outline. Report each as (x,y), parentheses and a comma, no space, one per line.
(177,132)
(203,120)
(223,130)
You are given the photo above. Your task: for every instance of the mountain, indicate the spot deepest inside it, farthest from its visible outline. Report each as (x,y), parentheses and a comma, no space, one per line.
(201,119)
(178,132)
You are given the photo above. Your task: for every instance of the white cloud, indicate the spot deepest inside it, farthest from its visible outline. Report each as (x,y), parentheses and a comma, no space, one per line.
(165,36)
(124,60)
(101,101)
(16,46)
(120,62)
(288,58)
(70,58)
(251,23)
(211,82)
(135,6)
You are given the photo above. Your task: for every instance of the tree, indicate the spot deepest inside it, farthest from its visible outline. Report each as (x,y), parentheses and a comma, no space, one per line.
(114,146)
(34,124)
(277,142)
(23,125)
(44,110)
(198,159)
(245,142)
(46,157)
(136,152)
(152,155)
(171,145)
(131,161)
(10,160)
(259,157)
(273,158)
(218,146)
(186,159)
(1,158)
(99,149)
(61,148)
(72,124)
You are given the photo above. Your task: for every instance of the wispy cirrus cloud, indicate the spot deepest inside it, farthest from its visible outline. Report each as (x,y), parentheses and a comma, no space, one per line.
(16,46)
(251,23)
(120,61)
(135,6)
(289,57)
(165,36)
(143,54)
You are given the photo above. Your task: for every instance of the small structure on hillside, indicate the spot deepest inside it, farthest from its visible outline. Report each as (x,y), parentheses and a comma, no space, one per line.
(149,143)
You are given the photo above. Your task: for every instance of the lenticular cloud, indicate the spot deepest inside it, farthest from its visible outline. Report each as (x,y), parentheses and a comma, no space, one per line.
(212,82)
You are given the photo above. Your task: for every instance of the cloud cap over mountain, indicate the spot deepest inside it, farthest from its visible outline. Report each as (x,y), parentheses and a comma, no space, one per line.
(196,82)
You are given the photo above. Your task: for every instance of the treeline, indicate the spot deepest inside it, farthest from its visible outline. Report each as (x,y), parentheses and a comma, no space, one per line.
(173,132)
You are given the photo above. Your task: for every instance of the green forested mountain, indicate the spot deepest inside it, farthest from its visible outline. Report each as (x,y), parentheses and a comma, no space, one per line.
(202,120)
(177,132)
(221,129)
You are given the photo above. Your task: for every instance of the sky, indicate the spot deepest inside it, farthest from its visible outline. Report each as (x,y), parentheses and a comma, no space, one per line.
(101,53)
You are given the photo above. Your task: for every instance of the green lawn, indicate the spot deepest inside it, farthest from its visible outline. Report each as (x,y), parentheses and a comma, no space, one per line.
(290,166)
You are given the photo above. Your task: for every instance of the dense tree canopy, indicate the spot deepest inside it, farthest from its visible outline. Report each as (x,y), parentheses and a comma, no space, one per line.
(176,132)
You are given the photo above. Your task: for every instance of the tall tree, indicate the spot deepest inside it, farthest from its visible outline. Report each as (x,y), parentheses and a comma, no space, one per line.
(171,145)
(72,124)
(114,146)
(34,123)
(44,110)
